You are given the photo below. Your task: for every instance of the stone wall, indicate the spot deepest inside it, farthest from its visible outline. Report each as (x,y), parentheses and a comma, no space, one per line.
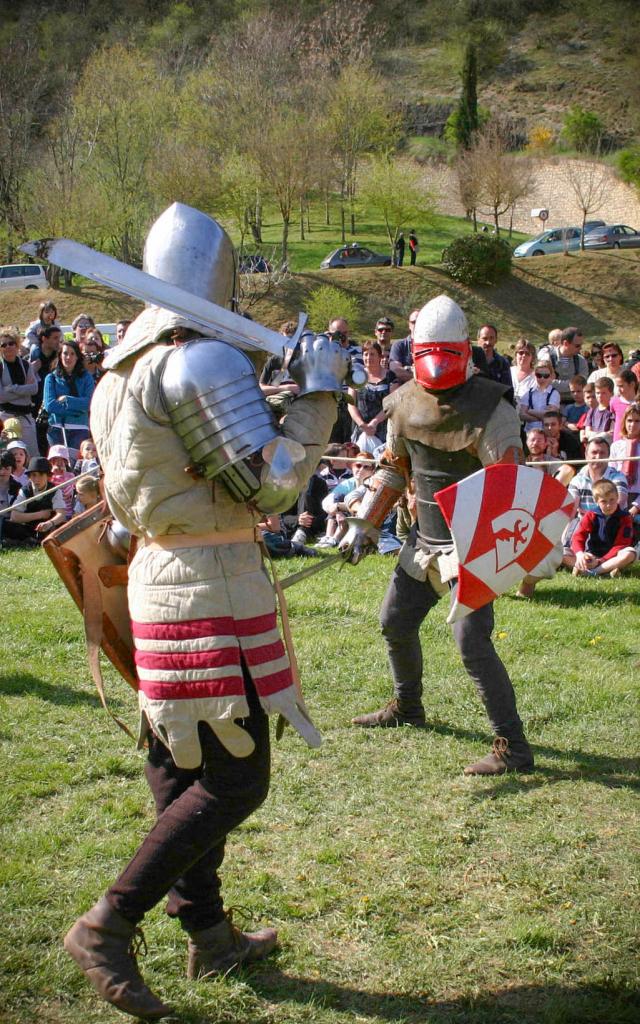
(621,203)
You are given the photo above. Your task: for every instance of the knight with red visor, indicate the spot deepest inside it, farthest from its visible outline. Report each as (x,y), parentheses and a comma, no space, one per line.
(445,424)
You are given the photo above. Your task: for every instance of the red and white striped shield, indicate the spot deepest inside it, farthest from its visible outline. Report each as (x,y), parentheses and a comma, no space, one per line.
(505,522)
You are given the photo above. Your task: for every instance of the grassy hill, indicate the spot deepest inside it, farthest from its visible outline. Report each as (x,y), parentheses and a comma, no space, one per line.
(600,292)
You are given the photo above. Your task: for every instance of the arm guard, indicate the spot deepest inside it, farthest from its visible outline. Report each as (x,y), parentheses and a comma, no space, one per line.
(364,530)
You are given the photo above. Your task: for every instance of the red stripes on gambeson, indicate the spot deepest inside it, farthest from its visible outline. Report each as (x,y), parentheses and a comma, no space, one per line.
(192,629)
(174,661)
(267,652)
(266,685)
(189,689)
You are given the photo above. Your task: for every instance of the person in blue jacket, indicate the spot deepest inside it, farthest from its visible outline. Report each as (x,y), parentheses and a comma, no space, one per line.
(67,396)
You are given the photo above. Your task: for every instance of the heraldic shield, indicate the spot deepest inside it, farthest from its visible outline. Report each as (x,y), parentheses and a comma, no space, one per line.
(505,522)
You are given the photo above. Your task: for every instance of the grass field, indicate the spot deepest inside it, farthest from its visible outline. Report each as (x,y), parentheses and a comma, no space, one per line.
(403,891)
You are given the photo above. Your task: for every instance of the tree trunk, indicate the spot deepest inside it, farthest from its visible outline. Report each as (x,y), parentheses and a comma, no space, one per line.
(285,240)
(302,238)
(67,277)
(343,233)
(308,212)
(511,223)
(475,219)
(353,222)
(258,227)
(496,220)
(327,209)
(53,276)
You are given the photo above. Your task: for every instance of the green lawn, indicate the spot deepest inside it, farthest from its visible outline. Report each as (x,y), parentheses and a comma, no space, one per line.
(403,891)
(433,236)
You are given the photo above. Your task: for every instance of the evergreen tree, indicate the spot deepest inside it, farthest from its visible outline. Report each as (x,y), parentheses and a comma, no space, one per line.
(467,120)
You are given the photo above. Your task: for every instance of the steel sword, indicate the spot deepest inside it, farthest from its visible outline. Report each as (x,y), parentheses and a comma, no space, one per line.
(103,269)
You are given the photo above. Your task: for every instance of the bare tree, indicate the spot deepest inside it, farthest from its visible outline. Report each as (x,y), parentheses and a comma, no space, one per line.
(494,178)
(588,180)
(395,189)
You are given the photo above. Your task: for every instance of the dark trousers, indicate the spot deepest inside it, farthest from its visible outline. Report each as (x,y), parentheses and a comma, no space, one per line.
(196,809)
(405,606)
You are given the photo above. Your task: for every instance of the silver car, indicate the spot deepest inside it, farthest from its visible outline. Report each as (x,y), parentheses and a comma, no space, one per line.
(555,240)
(354,255)
(613,236)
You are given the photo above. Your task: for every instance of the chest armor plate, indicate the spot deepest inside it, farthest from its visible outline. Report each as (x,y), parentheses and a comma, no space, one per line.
(432,471)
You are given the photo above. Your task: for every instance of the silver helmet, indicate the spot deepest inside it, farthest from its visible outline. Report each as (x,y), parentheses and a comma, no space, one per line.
(187,248)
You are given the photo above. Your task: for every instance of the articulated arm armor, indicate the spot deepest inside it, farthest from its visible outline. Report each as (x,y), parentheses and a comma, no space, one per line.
(215,405)
(382,493)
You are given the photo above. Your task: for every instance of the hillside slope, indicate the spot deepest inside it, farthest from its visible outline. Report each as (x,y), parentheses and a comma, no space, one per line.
(600,292)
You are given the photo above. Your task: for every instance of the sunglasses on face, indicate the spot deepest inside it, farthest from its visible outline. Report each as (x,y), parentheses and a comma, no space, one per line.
(8,344)
(543,376)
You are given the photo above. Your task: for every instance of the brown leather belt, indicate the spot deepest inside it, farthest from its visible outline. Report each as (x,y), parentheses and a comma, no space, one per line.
(172,541)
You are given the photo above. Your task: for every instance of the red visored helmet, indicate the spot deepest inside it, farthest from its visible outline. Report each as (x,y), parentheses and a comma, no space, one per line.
(441,349)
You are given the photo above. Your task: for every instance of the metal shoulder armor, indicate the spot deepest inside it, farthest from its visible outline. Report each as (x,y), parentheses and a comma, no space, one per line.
(215,405)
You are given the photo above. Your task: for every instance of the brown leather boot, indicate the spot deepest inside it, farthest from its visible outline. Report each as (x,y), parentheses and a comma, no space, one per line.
(219,949)
(390,716)
(102,944)
(506,756)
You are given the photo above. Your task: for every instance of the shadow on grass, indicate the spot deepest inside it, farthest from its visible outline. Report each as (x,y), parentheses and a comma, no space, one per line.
(614,772)
(573,597)
(19,684)
(525,1004)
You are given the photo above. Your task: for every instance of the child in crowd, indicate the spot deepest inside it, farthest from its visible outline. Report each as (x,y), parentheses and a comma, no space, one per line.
(20,458)
(335,503)
(87,458)
(87,494)
(602,542)
(578,408)
(599,420)
(59,459)
(540,398)
(47,511)
(623,451)
(626,384)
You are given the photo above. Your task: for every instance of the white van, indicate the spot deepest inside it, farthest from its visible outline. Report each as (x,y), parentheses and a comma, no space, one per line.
(22,275)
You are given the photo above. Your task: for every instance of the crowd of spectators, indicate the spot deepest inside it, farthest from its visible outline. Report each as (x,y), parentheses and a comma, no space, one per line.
(577,408)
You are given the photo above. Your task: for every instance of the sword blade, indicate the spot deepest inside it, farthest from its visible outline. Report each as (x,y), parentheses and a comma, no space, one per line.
(103,269)
(297,577)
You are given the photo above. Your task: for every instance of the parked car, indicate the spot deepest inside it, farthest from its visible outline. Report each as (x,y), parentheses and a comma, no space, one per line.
(354,255)
(22,275)
(555,240)
(613,236)
(254,264)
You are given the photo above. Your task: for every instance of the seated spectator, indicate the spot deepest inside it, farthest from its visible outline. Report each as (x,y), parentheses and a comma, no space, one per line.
(367,413)
(522,376)
(308,518)
(43,514)
(61,473)
(20,460)
(537,445)
(47,317)
(597,454)
(578,408)
(67,395)
(122,327)
(539,399)
(335,503)
(278,544)
(87,494)
(80,325)
(599,420)
(87,460)
(603,540)
(623,451)
(626,394)
(9,490)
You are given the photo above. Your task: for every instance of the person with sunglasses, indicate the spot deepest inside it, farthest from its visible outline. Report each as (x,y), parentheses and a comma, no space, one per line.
(541,398)
(18,385)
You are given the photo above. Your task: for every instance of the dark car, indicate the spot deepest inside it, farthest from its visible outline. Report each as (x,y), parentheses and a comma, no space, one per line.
(613,236)
(254,264)
(354,255)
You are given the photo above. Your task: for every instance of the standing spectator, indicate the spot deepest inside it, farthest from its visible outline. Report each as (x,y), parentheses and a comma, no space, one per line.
(18,385)
(80,325)
(624,451)
(594,356)
(384,327)
(398,250)
(626,384)
(339,331)
(499,366)
(272,381)
(400,357)
(539,399)
(613,359)
(578,408)
(566,361)
(48,317)
(600,420)
(522,376)
(43,358)
(67,395)
(367,413)
(93,352)
(122,327)
(413,246)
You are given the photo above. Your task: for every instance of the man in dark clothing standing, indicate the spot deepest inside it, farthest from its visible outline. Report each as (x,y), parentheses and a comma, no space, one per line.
(399,250)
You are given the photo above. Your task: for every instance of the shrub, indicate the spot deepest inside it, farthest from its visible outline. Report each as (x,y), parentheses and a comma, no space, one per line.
(328,303)
(540,139)
(478,259)
(629,165)
(583,130)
